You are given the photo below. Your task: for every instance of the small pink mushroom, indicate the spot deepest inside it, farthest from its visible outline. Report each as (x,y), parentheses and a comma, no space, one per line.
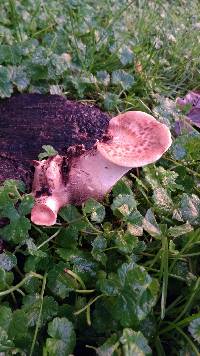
(136,139)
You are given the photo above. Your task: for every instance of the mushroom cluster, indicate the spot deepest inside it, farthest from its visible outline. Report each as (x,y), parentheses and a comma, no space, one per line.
(93,161)
(136,139)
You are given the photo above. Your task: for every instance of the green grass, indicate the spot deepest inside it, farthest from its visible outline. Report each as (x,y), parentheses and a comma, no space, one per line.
(106,280)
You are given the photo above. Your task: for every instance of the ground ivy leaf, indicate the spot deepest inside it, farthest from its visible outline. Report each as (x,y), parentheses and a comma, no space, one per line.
(49,151)
(134,293)
(108,347)
(193,146)
(5,343)
(59,282)
(194,329)
(162,200)
(63,338)
(31,307)
(26,204)
(103,77)
(190,208)
(17,231)
(32,285)
(5,317)
(98,246)
(150,224)
(70,213)
(68,254)
(125,241)
(158,177)
(33,250)
(135,218)
(6,279)
(95,209)
(125,55)
(123,205)
(9,195)
(18,325)
(19,78)
(102,316)
(111,101)
(176,231)
(122,78)
(9,211)
(6,88)
(134,343)
(85,266)
(122,187)
(7,261)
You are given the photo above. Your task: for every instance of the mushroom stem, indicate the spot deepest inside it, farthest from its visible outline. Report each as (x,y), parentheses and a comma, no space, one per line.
(46,209)
(92,176)
(49,190)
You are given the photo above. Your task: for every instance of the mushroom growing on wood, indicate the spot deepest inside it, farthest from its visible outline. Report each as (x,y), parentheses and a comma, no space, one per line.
(94,153)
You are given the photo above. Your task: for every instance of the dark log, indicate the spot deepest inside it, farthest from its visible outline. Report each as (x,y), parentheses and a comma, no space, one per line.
(29,121)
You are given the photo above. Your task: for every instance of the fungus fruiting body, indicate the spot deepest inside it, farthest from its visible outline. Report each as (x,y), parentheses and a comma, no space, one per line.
(90,160)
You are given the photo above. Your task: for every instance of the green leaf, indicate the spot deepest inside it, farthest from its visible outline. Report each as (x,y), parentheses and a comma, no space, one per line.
(5,343)
(108,347)
(6,279)
(162,200)
(5,317)
(71,215)
(7,261)
(122,78)
(63,338)
(176,231)
(193,148)
(39,57)
(122,187)
(31,307)
(98,246)
(150,224)
(9,195)
(85,266)
(17,231)
(33,250)
(95,209)
(190,208)
(125,55)
(134,343)
(123,205)
(158,177)
(133,293)
(19,78)
(125,242)
(111,101)
(103,77)
(26,204)
(10,54)
(194,329)
(49,151)
(6,88)
(59,282)
(18,325)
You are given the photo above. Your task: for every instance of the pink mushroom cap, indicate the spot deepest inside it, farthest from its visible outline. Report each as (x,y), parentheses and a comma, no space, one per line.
(137,139)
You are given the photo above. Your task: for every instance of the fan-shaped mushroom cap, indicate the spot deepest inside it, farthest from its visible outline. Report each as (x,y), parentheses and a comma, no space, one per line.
(137,140)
